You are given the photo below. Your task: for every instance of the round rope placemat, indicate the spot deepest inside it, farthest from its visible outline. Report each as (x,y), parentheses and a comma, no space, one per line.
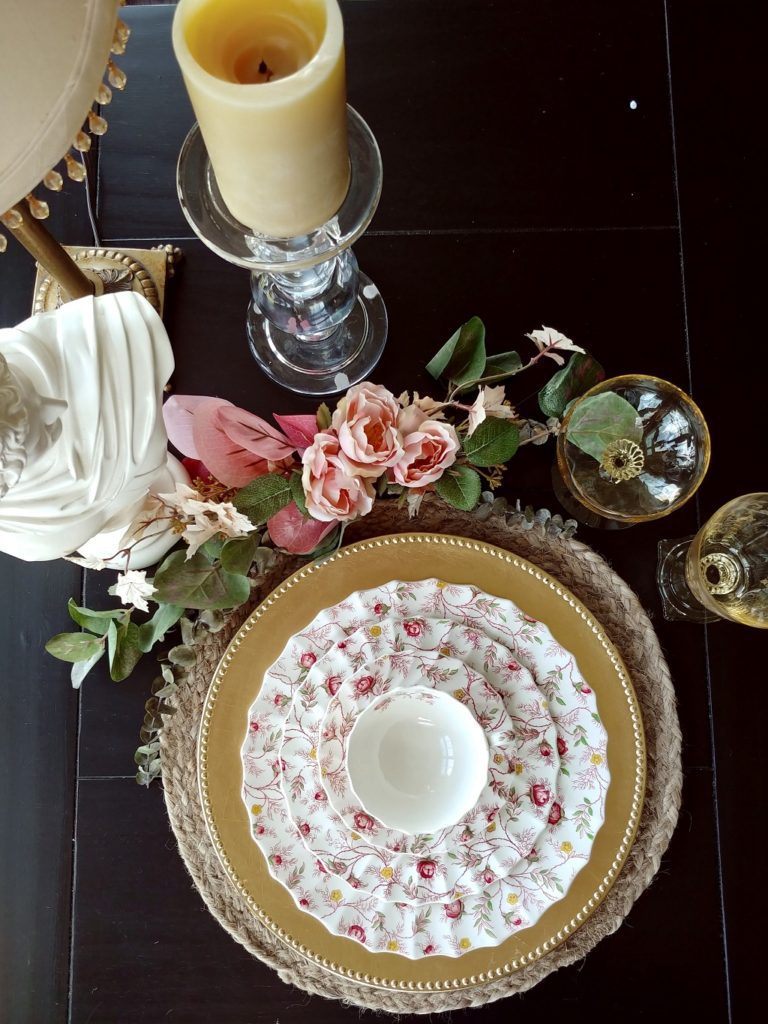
(618,610)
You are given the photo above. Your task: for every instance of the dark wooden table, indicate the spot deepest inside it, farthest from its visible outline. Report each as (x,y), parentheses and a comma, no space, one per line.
(582,165)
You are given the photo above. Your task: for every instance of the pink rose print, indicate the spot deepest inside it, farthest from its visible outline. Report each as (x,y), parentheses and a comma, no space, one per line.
(528,618)
(356,932)
(555,813)
(426,868)
(363,822)
(307,660)
(427,453)
(545,750)
(320,796)
(517,921)
(332,684)
(304,828)
(352,881)
(454,910)
(253,726)
(277,860)
(280,700)
(540,794)
(489,877)
(366,423)
(562,746)
(586,689)
(334,492)
(259,830)
(378,608)
(304,902)
(413,627)
(342,646)
(321,867)
(427,950)
(533,854)
(513,666)
(364,684)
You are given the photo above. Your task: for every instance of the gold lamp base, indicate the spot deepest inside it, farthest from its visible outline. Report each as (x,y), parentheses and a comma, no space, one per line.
(144,271)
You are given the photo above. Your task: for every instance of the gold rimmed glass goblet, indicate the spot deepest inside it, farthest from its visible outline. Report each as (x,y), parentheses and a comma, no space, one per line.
(641,455)
(722,572)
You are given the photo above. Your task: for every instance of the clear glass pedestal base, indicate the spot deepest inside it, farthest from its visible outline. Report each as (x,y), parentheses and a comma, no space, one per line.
(328,365)
(678,603)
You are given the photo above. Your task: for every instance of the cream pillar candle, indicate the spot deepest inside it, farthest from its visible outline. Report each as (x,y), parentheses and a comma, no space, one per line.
(266,81)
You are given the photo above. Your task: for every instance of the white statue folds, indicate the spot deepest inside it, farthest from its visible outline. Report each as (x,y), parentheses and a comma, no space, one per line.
(82,439)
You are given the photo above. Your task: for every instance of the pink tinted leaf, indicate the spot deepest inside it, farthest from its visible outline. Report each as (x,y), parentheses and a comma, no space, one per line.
(228,460)
(292,532)
(300,430)
(255,434)
(178,413)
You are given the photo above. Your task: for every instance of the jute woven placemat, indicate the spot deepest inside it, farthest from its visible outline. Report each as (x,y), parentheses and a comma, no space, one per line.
(613,604)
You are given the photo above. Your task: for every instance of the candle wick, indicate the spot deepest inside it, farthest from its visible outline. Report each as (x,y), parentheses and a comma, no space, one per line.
(264,69)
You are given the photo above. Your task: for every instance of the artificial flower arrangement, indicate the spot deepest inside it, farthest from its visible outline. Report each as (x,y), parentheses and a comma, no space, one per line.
(295,486)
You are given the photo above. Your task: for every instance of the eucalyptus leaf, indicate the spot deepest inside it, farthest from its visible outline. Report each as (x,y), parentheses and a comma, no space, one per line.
(74,647)
(182,655)
(297,493)
(124,651)
(498,368)
(579,374)
(212,548)
(596,422)
(238,553)
(493,443)
(96,622)
(263,497)
(462,357)
(166,616)
(212,619)
(265,559)
(196,583)
(80,669)
(460,486)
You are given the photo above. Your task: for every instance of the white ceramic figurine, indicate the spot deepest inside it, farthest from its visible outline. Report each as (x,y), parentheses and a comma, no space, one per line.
(82,438)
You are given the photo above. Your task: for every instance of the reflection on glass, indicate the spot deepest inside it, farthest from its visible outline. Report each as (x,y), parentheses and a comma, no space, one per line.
(722,572)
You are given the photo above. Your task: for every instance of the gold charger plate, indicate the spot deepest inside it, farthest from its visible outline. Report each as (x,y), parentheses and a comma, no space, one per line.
(289,608)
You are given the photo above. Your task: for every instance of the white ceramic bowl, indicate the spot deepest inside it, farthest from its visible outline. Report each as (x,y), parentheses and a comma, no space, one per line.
(417,760)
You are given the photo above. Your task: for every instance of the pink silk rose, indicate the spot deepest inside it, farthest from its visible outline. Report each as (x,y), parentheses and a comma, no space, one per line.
(332,492)
(366,423)
(427,453)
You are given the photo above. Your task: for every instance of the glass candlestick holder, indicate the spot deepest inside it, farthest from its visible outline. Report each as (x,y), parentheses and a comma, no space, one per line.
(316,324)
(722,572)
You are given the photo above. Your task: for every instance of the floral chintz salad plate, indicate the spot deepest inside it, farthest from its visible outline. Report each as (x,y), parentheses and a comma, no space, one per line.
(402,585)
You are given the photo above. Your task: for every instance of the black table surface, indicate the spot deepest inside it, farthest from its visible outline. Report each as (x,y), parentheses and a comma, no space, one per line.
(585,165)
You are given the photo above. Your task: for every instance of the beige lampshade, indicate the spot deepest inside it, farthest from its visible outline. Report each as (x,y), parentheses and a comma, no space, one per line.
(53,55)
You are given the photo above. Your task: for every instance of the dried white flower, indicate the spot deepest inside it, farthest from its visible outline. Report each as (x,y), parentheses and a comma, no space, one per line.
(550,342)
(212,518)
(489,402)
(132,588)
(86,563)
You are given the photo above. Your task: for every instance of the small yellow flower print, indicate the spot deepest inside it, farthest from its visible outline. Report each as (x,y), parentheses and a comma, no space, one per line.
(375,630)
(512,899)
(393,946)
(313,753)
(566,847)
(257,809)
(355,835)
(491,827)
(498,759)
(387,872)
(323,771)
(518,769)
(459,694)
(336,895)
(445,651)
(544,705)
(596,759)
(464,943)
(440,585)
